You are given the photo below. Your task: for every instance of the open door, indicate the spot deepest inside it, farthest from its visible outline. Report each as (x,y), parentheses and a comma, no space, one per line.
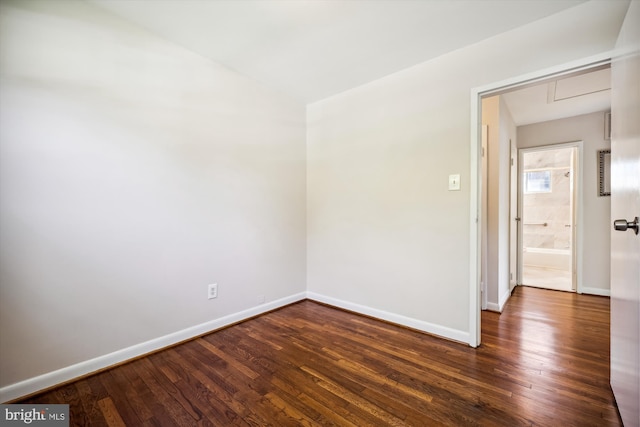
(514,218)
(485,247)
(625,207)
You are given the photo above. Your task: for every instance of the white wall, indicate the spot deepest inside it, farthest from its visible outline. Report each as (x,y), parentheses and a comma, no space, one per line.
(491,118)
(496,115)
(594,270)
(132,174)
(383,232)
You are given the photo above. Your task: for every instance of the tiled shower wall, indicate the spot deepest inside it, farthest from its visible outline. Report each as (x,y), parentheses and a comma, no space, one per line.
(552,208)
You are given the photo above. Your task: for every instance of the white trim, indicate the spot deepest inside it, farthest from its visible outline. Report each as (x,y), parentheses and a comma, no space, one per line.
(475,219)
(492,306)
(495,88)
(68,373)
(503,299)
(421,325)
(474,213)
(596,291)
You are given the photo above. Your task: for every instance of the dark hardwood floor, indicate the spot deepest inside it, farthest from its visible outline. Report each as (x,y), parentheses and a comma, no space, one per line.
(544,361)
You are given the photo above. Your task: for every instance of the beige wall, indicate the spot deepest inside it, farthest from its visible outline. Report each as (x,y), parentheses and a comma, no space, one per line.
(383,232)
(501,130)
(491,118)
(132,174)
(508,133)
(595,244)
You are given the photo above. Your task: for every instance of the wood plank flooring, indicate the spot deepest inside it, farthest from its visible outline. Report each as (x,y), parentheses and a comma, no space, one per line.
(544,361)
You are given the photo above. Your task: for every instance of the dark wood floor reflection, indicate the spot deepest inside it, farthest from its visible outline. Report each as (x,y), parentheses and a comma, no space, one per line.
(544,361)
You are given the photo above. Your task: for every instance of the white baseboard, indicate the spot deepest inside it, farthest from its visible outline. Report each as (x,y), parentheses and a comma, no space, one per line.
(51,379)
(503,299)
(68,373)
(492,306)
(596,291)
(442,331)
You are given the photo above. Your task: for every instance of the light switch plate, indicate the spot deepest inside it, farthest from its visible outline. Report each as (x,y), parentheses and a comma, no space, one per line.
(454,182)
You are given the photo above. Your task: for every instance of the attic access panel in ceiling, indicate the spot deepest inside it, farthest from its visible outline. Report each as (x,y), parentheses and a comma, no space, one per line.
(561,97)
(585,84)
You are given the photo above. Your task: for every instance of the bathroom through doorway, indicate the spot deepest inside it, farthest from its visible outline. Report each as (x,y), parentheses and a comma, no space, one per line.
(548,203)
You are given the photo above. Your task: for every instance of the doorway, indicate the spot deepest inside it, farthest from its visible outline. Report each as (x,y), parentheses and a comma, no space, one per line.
(577,68)
(548,199)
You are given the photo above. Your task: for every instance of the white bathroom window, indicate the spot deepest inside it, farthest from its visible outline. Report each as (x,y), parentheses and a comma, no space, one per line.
(537,182)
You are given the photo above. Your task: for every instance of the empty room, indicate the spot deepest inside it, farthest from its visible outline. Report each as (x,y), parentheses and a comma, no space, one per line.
(283,212)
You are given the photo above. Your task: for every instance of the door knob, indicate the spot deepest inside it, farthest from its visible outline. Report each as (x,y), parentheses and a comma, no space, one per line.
(623,225)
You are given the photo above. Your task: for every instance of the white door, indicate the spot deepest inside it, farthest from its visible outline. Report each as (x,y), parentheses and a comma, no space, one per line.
(484,263)
(625,204)
(513,215)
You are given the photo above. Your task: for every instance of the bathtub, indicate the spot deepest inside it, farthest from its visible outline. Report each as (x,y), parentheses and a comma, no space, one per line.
(559,259)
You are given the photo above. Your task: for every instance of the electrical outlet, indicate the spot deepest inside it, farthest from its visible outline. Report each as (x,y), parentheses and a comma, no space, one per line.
(212,291)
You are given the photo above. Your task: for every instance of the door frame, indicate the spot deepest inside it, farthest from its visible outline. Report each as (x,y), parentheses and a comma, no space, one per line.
(576,212)
(475,196)
(484,275)
(515,275)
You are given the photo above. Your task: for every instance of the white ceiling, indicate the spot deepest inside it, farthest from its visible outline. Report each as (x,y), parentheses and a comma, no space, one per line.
(565,97)
(312,49)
